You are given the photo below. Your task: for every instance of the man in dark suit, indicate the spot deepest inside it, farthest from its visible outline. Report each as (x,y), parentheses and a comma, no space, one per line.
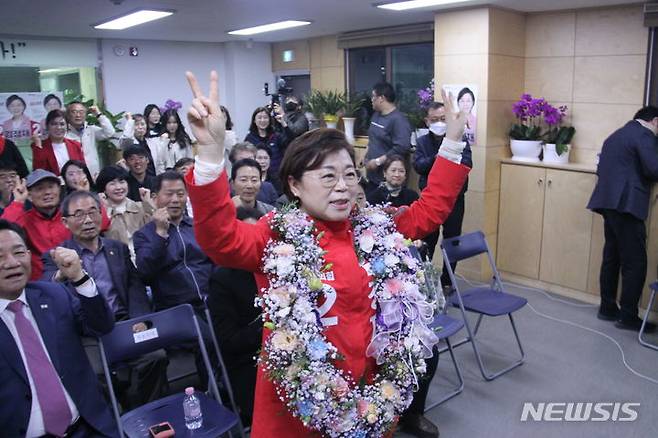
(628,165)
(108,262)
(48,386)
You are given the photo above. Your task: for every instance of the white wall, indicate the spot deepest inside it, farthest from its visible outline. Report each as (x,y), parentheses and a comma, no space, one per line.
(248,67)
(158,74)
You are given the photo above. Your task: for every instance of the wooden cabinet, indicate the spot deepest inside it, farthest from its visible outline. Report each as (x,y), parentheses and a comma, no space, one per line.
(544,229)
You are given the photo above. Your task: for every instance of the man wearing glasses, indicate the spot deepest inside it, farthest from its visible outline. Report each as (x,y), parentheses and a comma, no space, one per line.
(108,263)
(88,135)
(8,180)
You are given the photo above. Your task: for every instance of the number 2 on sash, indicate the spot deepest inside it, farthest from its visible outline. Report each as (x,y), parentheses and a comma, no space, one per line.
(329,301)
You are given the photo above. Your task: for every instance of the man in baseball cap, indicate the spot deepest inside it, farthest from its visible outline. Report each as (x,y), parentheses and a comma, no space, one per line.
(43,222)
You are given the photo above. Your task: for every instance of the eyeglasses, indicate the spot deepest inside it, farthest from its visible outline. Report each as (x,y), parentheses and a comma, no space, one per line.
(330,179)
(77,112)
(80,215)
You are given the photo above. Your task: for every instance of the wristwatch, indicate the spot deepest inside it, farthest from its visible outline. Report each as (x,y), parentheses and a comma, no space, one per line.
(83,280)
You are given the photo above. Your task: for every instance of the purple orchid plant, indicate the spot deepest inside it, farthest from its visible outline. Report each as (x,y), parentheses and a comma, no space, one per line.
(534,114)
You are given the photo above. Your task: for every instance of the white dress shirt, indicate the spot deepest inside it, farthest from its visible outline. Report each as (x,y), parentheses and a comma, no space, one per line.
(35,427)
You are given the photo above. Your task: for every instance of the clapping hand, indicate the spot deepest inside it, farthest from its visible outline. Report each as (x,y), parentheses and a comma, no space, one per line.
(455,119)
(206,119)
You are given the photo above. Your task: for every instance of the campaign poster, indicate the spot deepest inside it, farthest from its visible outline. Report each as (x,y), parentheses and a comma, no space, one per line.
(464,98)
(24,113)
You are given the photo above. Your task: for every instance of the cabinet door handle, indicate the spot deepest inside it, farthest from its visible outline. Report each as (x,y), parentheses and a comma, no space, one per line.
(540,181)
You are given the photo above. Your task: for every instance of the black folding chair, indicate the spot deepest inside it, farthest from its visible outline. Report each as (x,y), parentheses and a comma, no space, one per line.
(174,326)
(485,301)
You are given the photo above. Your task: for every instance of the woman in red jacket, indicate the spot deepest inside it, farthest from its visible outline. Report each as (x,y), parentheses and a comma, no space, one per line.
(318,171)
(52,153)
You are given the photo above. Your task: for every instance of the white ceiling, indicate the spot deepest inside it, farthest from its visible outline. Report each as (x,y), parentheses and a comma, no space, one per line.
(209,20)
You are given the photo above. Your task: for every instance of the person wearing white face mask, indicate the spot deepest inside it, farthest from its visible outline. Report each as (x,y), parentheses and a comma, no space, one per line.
(427,147)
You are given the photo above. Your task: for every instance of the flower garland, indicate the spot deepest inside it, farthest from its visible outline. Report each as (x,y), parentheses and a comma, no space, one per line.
(299,359)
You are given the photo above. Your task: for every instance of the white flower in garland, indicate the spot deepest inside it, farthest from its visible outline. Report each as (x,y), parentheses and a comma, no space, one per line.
(297,356)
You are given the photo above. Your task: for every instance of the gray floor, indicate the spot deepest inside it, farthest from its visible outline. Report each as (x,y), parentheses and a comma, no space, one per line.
(563,363)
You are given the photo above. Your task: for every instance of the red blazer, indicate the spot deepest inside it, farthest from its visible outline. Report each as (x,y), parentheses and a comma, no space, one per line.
(44,157)
(231,243)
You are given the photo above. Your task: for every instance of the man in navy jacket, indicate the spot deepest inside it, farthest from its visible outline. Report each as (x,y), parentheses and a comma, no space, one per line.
(628,165)
(51,390)
(108,262)
(427,146)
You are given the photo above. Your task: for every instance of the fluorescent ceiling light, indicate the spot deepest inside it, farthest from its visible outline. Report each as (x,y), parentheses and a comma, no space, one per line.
(414,4)
(269,27)
(133,19)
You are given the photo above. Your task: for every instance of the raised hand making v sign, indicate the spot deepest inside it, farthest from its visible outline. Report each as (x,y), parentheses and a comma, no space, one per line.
(206,119)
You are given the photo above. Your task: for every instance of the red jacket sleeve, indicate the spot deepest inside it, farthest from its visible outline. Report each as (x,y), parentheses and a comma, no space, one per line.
(15,213)
(423,216)
(226,240)
(39,160)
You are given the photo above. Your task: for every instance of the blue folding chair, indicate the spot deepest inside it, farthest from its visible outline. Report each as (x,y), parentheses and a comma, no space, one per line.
(177,325)
(490,301)
(449,326)
(654,287)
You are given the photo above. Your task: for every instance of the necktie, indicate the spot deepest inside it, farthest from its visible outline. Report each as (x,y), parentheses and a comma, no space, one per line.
(55,409)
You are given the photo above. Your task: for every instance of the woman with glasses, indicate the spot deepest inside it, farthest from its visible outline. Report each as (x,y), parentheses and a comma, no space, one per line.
(53,152)
(318,172)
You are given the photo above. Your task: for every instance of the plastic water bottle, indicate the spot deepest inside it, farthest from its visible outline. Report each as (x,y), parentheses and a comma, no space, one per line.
(192,409)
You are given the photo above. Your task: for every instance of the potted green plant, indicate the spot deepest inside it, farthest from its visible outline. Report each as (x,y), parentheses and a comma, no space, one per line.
(557,137)
(326,105)
(352,107)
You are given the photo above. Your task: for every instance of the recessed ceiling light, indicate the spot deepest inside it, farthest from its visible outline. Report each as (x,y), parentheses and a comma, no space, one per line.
(269,27)
(133,19)
(414,4)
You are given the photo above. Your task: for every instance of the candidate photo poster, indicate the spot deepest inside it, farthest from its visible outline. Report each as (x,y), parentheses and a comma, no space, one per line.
(464,97)
(24,113)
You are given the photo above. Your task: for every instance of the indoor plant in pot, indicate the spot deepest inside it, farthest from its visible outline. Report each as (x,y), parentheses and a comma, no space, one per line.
(525,135)
(557,138)
(352,106)
(326,105)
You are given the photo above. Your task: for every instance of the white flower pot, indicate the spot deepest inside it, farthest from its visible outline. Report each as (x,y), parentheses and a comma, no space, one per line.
(551,156)
(348,123)
(526,150)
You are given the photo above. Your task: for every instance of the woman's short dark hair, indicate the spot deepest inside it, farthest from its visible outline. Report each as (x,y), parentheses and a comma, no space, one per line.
(464,91)
(83,167)
(14,97)
(109,174)
(54,114)
(253,128)
(264,147)
(229,122)
(390,159)
(245,162)
(50,97)
(167,175)
(308,151)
